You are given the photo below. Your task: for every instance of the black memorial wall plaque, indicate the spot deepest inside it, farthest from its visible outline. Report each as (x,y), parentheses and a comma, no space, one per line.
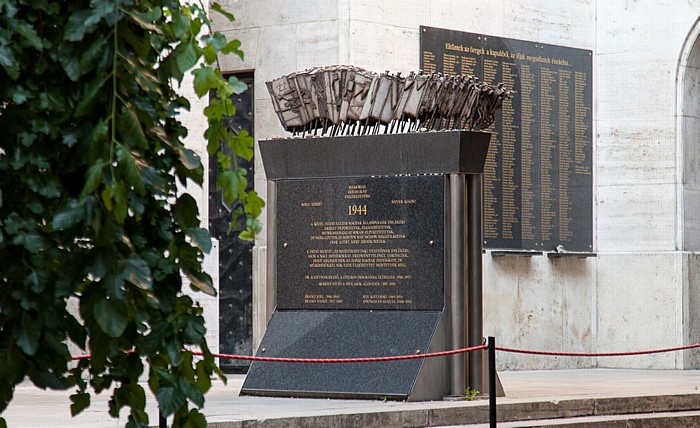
(361,243)
(538,183)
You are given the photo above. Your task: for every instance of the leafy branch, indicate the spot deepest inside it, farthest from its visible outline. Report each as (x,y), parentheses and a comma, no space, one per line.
(90,210)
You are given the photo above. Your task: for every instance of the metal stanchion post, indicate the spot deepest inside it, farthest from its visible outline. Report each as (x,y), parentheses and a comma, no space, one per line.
(162,422)
(492,381)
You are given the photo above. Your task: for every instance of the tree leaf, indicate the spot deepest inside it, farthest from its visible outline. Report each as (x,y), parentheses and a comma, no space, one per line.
(180,24)
(202,282)
(232,182)
(33,242)
(201,238)
(90,56)
(185,211)
(27,335)
(8,62)
(78,25)
(119,196)
(205,79)
(190,159)
(254,204)
(89,96)
(68,215)
(217,7)
(93,179)
(27,31)
(195,419)
(137,271)
(242,144)
(132,127)
(7,57)
(170,400)
(186,56)
(234,46)
(81,401)
(111,317)
(237,86)
(127,165)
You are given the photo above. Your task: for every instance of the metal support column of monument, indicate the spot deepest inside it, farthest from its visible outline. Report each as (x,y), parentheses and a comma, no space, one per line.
(271,283)
(457,284)
(475,335)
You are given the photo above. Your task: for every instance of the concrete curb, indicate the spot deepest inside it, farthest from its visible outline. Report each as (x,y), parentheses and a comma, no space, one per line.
(478,413)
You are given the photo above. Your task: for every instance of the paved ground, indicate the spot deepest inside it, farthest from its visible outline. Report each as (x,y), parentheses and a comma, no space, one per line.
(36,408)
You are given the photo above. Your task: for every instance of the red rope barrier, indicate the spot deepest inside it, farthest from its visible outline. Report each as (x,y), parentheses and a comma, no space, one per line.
(431,355)
(346,360)
(597,354)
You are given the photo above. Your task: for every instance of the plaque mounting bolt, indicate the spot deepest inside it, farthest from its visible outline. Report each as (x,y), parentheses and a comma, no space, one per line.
(431,243)
(263,349)
(285,245)
(417,351)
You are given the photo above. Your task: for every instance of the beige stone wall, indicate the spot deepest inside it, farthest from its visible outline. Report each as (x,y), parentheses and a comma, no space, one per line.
(639,292)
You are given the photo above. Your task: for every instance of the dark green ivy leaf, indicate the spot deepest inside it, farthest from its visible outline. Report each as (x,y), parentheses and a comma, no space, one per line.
(93,179)
(201,238)
(27,31)
(78,25)
(137,271)
(68,215)
(185,211)
(170,400)
(111,317)
(202,282)
(80,401)
(190,159)
(27,335)
(89,96)
(127,165)
(8,62)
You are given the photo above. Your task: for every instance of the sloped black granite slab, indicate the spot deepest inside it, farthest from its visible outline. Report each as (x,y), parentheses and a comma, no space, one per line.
(342,334)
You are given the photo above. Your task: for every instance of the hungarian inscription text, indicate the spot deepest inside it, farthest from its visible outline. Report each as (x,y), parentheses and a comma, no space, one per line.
(538,182)
(360,243)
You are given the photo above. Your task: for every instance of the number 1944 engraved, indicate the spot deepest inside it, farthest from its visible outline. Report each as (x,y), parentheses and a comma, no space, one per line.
(357,209)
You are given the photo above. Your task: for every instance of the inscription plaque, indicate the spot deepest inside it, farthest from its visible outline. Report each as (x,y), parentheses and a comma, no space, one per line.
(361,243)
(538,183)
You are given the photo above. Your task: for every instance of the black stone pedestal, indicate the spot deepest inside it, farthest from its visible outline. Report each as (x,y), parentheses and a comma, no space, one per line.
(363,259)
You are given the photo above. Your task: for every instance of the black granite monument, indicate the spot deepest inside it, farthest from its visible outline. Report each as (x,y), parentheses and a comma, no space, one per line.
(367,257)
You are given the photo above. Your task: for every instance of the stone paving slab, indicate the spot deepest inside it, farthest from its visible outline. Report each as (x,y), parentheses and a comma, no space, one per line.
(533,395)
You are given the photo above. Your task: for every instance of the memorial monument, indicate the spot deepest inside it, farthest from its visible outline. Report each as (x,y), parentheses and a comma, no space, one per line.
(374,229)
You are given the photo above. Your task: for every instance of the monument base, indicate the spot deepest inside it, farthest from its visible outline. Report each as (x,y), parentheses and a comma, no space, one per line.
(350,334)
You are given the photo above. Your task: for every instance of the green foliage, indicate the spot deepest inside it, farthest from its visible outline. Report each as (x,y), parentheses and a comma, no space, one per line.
(90,210)
(470,394)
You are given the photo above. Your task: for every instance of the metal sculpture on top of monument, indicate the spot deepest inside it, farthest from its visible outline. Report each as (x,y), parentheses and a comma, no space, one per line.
(346,100)
(374,239)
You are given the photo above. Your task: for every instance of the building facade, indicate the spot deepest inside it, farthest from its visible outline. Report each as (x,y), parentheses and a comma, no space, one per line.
(642,290)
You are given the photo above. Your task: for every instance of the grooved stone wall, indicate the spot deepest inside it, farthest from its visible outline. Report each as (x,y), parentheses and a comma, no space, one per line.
(641,290)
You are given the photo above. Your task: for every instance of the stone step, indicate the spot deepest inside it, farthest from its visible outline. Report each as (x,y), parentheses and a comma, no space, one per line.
(635,411)
(689,419)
